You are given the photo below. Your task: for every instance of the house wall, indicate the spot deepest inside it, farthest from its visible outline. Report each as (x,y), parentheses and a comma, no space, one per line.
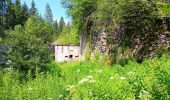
(67,53)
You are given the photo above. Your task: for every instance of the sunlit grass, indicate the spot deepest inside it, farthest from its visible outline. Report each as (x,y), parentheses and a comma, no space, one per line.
(90,80)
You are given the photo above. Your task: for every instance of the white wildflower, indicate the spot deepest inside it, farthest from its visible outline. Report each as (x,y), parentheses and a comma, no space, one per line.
(92,81)
(70,87)
(135,83)
(90,77)
(144,94)
(100,71)
(131,73)
(122,78)
(111,78)
(83,80)
(60,96)
(87,79)
(8,62)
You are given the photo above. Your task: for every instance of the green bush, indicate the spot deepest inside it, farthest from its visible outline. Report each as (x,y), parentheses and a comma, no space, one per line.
(27,51)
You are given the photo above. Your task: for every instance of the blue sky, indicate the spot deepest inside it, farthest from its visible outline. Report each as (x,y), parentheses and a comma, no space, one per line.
(55,5)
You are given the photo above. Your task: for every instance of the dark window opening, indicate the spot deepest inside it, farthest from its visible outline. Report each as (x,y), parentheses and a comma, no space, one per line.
(76,56)
(66,56)
(70,56)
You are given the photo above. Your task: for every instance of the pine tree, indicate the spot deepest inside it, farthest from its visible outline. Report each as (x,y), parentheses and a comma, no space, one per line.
(61,24)
(68,25)
(24,13)
(10,16)
(18,13)
(48,14)
(33,10)
(55,26)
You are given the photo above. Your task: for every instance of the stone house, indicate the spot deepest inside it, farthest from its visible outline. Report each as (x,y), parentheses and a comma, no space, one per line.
(67,53)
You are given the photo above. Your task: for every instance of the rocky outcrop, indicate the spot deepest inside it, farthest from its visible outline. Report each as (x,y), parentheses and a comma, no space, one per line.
(99,42)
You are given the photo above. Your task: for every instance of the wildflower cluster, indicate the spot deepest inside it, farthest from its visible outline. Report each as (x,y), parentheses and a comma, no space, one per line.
(87,79)
(144,95)
(70,87)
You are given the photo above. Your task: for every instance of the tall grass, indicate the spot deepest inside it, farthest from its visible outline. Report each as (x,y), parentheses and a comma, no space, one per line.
(90,80)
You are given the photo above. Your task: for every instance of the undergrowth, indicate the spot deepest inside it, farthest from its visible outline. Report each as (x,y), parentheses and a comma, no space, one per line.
(92,81)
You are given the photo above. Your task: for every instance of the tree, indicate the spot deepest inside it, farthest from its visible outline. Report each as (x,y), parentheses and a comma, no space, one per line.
(24,12)
(133,25)
(68,25)
(18,13)
(7,19)
(48,14)
(61,24)
(80,10)
(37,26)
(10,16)
(67,29)
(27,51)
(33,10)
(55,26)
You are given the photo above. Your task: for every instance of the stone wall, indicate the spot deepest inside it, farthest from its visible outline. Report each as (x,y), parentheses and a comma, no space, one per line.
(99,42)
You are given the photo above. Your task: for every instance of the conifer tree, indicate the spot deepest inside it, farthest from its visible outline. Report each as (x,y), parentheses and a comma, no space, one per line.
(55,26)
(33,10)
(10,16)
(48,14)
(68,25)
(61,24)
(18,14)
(24,13)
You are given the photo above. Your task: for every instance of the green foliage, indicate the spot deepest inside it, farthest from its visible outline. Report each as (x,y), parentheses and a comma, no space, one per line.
(79,10)
(36,25)
(68,36)
(42,87)
(129,24)
(10,16)
(54,69)
(48,14)
(61,24)
(56,27)
(27,51)
(18,13)
(134,81)
(164,9)
(24,14)
(90,80)
(67,40)
(33,10)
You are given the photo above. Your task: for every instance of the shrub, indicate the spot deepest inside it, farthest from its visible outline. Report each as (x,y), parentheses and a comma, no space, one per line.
(27,51)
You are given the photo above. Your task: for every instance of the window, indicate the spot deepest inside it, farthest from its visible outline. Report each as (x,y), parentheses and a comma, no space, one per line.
(70,56)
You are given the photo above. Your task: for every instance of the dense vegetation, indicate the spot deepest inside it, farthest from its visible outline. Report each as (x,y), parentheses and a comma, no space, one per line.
(133,27)
(91,80)
(24,44)
(135,68)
